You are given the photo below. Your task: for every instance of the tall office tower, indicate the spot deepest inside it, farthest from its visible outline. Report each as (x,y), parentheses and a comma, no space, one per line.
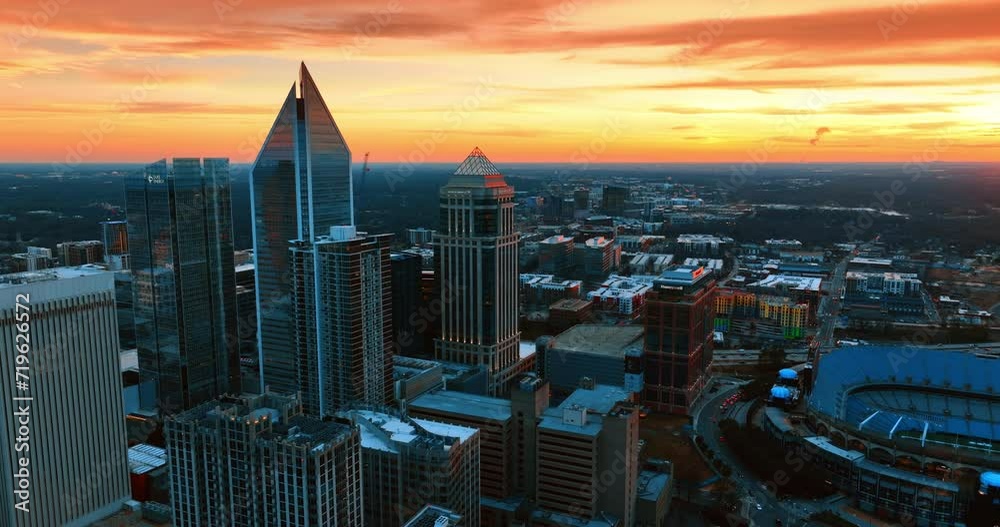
(680,312)
(408,321)
(613,199)
(528,401)
(600,256)
(342,298)
(409,463)
(80,253)
(581,199)
(181,249)
(556,255)
(255,460)
(477,247)
(300,188)
(65,448)
(125,308)
(246,322)
(114,235)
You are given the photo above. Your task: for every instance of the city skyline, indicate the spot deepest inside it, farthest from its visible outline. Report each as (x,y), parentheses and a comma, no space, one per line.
(531,81)
(739,266)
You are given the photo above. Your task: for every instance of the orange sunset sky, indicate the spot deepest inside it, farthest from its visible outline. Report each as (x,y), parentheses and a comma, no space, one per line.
(527,80)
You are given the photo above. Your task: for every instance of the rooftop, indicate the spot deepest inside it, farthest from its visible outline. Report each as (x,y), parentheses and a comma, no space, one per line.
(479,406)
(599,339)
(143,458)
(824,443)
(790,282)
(557,239)
(570,304)
(616,286)
(681,275)
(599,242)
(601,399)
(477,171)
(55,283)
(554,419)
(652,484)
(860,260)
(383,431)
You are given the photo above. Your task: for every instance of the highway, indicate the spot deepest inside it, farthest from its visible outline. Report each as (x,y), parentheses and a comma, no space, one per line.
(763,506)
(830,305)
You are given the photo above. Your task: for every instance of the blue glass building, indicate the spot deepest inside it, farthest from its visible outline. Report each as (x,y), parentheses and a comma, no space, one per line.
(301,187)
(180,236)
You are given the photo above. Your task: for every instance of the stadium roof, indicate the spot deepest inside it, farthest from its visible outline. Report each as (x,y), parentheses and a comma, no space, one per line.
(922,393)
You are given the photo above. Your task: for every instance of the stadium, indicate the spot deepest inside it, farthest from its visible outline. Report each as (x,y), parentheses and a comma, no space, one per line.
(907,431)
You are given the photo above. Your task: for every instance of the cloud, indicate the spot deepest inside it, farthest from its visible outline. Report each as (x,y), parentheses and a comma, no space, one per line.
(820,132)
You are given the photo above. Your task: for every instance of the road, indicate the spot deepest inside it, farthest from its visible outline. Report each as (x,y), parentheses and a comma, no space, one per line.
(752,357)
(754,492)
(830,305)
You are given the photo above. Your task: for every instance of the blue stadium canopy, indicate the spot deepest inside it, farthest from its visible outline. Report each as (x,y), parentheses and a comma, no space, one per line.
(788,374)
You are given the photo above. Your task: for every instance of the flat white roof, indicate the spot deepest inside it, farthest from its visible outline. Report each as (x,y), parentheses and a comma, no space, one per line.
(55,283)
(799,283)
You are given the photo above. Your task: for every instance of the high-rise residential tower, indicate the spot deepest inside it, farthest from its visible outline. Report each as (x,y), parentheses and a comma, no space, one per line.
(114,236)
(342,307)
(678,350)
(408,463)
(183,286)
(300,188)
(477,262)
(255,460)
(63,438)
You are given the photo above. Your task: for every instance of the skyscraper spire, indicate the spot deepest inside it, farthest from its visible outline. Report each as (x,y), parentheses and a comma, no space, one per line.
(477,171)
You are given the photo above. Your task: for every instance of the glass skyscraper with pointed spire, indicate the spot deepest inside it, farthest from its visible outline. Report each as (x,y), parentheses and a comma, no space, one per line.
(301,187)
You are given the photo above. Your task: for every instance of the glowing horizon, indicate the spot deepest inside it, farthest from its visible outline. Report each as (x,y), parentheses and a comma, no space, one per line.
(527,80)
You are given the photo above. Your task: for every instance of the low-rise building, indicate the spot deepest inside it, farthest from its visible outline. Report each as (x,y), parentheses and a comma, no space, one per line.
(620,296)
(610,355)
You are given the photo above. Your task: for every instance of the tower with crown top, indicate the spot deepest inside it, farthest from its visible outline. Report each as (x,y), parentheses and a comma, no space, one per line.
(477,266)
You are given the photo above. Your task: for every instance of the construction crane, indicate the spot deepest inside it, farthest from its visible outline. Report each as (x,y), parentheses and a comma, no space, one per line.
(361,178)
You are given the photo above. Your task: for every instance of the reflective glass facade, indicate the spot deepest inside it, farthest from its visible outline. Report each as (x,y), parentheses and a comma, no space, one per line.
(301,186)
(184,291)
